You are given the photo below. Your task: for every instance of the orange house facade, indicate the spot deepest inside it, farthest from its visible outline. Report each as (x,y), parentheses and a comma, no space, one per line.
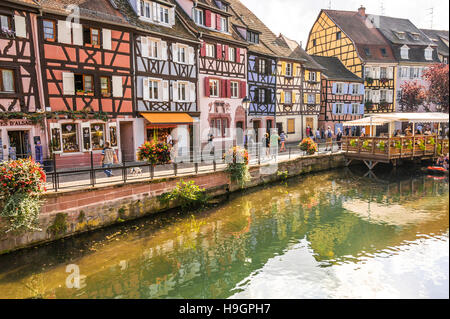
(87,73)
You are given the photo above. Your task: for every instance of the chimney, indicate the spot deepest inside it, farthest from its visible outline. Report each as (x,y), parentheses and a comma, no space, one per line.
(362,11)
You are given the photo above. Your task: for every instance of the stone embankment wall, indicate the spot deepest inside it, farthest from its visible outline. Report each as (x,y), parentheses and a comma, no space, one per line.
(69,213)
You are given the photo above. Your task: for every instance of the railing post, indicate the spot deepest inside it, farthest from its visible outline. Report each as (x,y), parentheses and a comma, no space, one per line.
(124,172)
(92,170)
(196,168)
(55,175)
(175,169)
(214,165)
(289,153)
(152,171)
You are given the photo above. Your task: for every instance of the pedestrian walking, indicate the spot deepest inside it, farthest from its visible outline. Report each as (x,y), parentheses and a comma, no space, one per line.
(274,139)
(339,138)
(108,158)
(283,138)
(329,137)
(317,136)
(266,143)
(39,156)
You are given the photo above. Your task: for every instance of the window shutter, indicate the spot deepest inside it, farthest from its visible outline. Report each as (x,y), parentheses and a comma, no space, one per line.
(228,88)
(227,53)
(191,53)
(175,91)
(222,90)
(64,32)
(333,90)
(361,109)
(218,23)
(334,109)
(283,68)
(207,88)
(282,97)
(219,51)
(243,89)
(238,55)
(390,72)
(350,88)
(294,94)
(106,39)
(192,92)
(117,86)
(208,18)
(318,98)
(77,34)
(165,89)
(389,96)
(144,47)
(163,50)
(172,16)
(138,7)
(305,98)
(86,126)
(156,7)
(203,49)
(145,89)
(68,83)
(175,52)
(160,91)
(361,89)
(345,88)
(377,72)
(20,26)
(346,109)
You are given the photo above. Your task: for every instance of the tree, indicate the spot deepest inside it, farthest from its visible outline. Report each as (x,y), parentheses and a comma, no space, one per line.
(437,93)
(413,96)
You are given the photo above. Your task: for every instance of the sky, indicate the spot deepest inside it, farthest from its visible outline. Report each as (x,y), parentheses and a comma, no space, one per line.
(294,18)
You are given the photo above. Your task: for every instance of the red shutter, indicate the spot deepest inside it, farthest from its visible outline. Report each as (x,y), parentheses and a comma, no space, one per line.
(243,89)
(219,51)
(238,55)
(207,88)
(208,18)
(223,88)
(226,53)
(203,49)
(218,23)
(228,88)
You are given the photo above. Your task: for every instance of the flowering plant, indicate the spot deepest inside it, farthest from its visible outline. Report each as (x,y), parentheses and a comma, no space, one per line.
(309,146)
(154,152)
(237,159)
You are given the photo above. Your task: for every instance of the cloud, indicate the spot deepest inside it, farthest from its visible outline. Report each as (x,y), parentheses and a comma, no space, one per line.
(294,18)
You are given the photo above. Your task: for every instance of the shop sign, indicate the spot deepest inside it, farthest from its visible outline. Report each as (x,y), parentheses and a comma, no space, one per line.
(18,122)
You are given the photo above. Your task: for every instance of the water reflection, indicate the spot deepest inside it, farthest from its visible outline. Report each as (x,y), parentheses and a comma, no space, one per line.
(335,234)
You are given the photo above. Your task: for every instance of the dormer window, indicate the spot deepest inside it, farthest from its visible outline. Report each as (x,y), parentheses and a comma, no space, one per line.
(415,36)
(5,23)
(164,14)
(367,51)
(199,17)
(404,52)
(154,12)
(253,37)
(338,35)
(383,52)
(224,24)
(401,35)
(428,54)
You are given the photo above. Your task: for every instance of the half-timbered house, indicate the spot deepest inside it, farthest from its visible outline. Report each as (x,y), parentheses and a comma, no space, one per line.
(222,80)
(353,38)
(342,95)
(19,81)
(165,59)
(261,68)
(298,90)
(87,68)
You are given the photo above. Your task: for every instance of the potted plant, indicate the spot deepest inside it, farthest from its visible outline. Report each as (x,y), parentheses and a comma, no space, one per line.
(369,80)
(309,146)
(237,160)
(366,145)
(156,153)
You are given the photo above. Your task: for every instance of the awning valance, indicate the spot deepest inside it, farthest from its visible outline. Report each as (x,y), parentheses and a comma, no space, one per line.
(381,119)
(168,118)
(367,121)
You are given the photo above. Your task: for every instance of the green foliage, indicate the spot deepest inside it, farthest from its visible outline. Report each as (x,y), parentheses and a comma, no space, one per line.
(59,226)
(421,145)
(398,145)
(439,149)
(382,146)
(238,159)
(366,145)
(189,195)
(22,212)
(353,143)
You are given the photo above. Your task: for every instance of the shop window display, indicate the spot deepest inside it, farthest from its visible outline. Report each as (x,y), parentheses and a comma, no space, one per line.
(113,136)
(70,138)
(97,136)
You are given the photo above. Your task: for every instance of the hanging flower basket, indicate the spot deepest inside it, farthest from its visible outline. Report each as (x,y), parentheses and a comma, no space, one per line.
(309,146)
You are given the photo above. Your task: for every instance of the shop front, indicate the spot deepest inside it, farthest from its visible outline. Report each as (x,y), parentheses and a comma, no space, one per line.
(20,138)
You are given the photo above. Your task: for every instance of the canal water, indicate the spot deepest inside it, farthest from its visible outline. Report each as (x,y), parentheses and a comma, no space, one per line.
(337,234)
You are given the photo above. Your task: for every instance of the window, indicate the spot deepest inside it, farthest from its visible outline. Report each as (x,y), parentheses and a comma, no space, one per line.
(164,14)
(339,108)
(210,52)
(49,30)
(232,54)
(401,35)
(182,89)
(224,23)
(416,73)
(338,35)
(288,69)
(97,136)
(404,72)
(181,54)
(154,90)
(383,52)
(147,9)
(383,95)
(312,76)
(291,126)
(70,138)
(91,36)
(261,95)
(7,81)
(428,53)
(220,127)
(234,89)
(355,89)
(339,88)
(214,88)
(415,36)
(262,66)
(199,17)
(383,73)
(311,99)
(84,84)
(355,109)
(404,52)
(288,97)
(367,51)
(105,86)
(5,23)
(252,37)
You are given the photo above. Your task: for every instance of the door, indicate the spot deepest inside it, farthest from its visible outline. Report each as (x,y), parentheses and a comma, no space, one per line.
(279,128)
(127,142)
(240,133)
(256,127)
(310,122)
(269,124)
(19,144)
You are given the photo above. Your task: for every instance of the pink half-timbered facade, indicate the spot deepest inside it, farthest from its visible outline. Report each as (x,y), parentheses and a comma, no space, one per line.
(87,70)
(19,83)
